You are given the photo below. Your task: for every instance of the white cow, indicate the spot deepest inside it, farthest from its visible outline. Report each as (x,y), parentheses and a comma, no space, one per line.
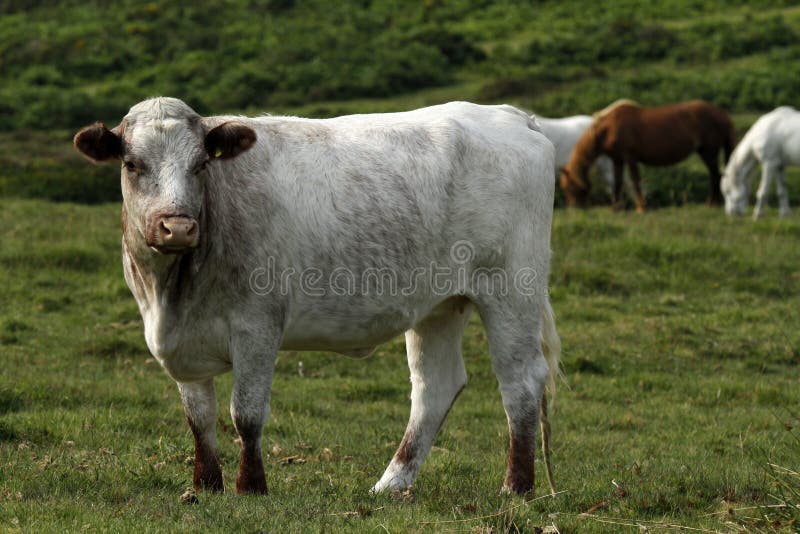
(245,236)
(564,134)
(774,142)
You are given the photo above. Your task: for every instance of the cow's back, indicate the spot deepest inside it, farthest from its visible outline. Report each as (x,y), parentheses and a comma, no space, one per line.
(360,186)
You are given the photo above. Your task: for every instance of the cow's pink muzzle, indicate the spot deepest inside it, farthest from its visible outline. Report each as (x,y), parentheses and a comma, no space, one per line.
(173,234)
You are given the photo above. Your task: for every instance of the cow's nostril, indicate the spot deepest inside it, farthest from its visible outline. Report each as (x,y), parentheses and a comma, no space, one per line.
(192,229)
(165,231)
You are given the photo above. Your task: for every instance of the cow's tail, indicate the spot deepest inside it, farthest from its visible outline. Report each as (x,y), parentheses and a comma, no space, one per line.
(551,346)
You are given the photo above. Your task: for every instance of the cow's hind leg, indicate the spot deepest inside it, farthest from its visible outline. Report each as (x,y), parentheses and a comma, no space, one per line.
(437,376)
(522,372)
(200,406)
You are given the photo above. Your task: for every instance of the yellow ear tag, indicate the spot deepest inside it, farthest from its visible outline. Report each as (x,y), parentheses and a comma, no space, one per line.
(218,153)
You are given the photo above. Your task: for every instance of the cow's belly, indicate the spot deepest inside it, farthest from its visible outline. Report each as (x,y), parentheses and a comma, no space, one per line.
(349,332)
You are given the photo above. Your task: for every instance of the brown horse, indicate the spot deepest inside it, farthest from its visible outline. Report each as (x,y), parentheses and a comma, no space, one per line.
(632,134)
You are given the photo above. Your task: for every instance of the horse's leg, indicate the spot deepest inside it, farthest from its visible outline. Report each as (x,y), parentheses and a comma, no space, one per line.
(616,197)
(711,160)
(518,362)
(433,348)
(783,193)
(636,179)
(768,170)
(200,407)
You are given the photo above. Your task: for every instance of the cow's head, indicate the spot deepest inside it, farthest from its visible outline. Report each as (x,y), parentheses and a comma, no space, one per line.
(164,148)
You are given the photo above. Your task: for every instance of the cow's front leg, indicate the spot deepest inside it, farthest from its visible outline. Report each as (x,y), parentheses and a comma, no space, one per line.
(252,383)
(200,406)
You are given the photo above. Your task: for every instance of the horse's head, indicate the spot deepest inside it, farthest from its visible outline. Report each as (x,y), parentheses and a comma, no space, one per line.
(575,185)
(575,174)
(734,188)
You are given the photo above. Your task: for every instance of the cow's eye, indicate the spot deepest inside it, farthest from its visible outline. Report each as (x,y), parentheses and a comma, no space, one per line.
(130,166)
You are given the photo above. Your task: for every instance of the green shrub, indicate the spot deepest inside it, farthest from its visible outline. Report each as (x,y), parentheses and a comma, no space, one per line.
(622,41)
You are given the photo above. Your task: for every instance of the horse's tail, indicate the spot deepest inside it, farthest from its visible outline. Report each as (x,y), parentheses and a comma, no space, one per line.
(611,107)
(551,346)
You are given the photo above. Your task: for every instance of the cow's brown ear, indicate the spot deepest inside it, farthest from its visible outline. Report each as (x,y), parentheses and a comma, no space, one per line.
(229,139)
(98,143)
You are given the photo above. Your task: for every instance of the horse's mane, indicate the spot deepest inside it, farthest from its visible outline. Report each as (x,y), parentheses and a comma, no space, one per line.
(609,108)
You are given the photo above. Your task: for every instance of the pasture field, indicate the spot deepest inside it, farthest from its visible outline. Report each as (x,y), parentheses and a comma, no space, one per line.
(682,394)
(681,402)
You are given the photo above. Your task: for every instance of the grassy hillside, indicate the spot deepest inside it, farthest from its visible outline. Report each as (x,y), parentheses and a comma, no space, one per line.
(64,64)
(681,357)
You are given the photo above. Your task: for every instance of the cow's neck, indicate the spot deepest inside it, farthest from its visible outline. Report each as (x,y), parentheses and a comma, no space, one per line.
(159,280)
(166,288)
(173,291)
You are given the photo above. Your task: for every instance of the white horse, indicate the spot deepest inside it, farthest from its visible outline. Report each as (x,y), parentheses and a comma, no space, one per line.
(564,133)
(774,142)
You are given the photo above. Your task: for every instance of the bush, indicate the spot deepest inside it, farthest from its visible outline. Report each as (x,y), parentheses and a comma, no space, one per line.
(627,41)
(622,41)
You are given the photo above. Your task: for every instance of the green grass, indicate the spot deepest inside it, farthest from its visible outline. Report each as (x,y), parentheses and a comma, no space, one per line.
(681,355)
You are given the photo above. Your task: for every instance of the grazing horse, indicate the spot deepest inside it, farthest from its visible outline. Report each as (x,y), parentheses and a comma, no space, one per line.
(773,141)
(564,134)
(632,134)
